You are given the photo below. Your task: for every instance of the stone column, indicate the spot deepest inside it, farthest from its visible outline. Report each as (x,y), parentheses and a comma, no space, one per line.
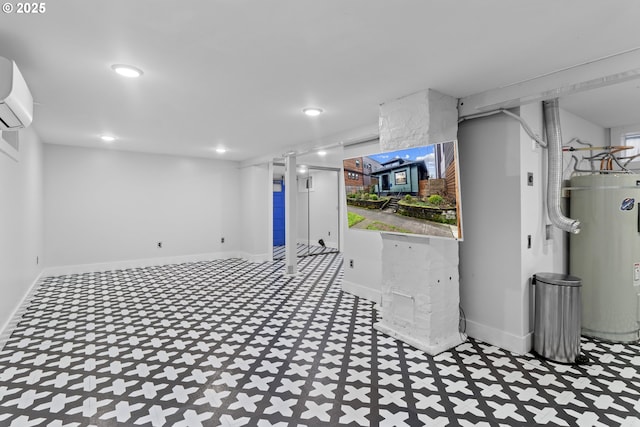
(420,282)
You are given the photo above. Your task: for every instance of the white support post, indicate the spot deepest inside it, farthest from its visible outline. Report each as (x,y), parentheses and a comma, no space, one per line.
(290,215)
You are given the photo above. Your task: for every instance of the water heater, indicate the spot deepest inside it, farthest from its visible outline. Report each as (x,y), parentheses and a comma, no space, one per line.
(606,254)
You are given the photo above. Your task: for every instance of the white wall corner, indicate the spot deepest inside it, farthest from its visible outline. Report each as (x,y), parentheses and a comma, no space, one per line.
(443,113)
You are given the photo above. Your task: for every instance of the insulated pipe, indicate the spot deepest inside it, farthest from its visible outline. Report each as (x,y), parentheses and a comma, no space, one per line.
(554,179)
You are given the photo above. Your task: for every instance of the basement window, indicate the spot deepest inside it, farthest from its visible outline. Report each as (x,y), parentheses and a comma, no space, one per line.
(401,178)
(632,140)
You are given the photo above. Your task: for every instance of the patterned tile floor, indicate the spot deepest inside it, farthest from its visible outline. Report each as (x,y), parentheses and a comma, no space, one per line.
(232,343)
(302,251)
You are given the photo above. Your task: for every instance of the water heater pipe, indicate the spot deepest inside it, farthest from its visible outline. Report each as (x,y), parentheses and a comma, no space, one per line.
(554,179)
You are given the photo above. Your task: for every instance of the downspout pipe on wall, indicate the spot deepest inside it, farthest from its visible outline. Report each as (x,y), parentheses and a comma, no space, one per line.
(554,179)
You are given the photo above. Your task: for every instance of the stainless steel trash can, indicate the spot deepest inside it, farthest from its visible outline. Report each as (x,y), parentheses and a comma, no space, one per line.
(558,317)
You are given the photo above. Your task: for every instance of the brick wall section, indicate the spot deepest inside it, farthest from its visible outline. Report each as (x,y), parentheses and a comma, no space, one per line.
(428,187)
(350,182)
(353,185)
(350,165)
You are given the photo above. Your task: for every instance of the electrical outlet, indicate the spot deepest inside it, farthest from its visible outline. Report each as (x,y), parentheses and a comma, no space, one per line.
(548,232)
(222,240)
(530,179)
(350,263)
(160,245)
(37,260)
(528,241)
(328,233)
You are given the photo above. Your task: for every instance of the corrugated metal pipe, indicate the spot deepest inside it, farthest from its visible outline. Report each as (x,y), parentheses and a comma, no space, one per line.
(554,180)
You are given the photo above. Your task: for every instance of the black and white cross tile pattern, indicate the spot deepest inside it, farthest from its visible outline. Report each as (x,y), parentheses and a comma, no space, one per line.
(230,343)
(302,250)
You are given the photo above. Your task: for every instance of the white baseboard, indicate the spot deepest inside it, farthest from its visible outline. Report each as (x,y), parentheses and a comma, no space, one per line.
(361,291)
(18,311)
(507,341)
(137,263)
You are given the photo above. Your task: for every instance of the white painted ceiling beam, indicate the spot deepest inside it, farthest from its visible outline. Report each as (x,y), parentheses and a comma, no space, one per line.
(606,71)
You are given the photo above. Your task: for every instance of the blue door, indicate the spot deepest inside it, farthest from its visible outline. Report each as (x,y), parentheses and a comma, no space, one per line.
(278,213)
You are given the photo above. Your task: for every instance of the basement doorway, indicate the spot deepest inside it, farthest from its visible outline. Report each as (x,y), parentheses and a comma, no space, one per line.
(318,216)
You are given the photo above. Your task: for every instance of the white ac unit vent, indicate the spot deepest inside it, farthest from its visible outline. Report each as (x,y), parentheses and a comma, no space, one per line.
(10,144)
(16,102)
(11,138)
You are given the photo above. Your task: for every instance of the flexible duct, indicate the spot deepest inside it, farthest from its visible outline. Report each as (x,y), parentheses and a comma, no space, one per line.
(554,181)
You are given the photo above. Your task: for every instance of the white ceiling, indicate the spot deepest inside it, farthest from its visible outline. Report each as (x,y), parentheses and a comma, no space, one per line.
(238,73)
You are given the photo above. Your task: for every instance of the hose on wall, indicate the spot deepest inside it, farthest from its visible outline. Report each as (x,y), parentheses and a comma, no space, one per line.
(554,180)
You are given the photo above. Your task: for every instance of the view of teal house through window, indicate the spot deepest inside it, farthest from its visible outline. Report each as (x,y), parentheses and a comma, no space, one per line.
(411,191)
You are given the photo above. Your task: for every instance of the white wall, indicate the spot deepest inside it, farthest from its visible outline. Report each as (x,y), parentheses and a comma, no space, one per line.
(255,211)
(545,255)
(500,211)
(21,223)
(490,265)
(106,206)
(362,247)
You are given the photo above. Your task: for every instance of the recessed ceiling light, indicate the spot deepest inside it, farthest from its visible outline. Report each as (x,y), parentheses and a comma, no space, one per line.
(108,138)
(127,70)
(221,150)
(313,112)
(322,153)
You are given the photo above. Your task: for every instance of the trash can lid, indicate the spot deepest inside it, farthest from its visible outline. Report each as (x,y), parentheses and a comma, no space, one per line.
(558,279)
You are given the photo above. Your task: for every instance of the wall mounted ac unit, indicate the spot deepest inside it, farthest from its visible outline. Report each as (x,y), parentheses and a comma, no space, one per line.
(16,102)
